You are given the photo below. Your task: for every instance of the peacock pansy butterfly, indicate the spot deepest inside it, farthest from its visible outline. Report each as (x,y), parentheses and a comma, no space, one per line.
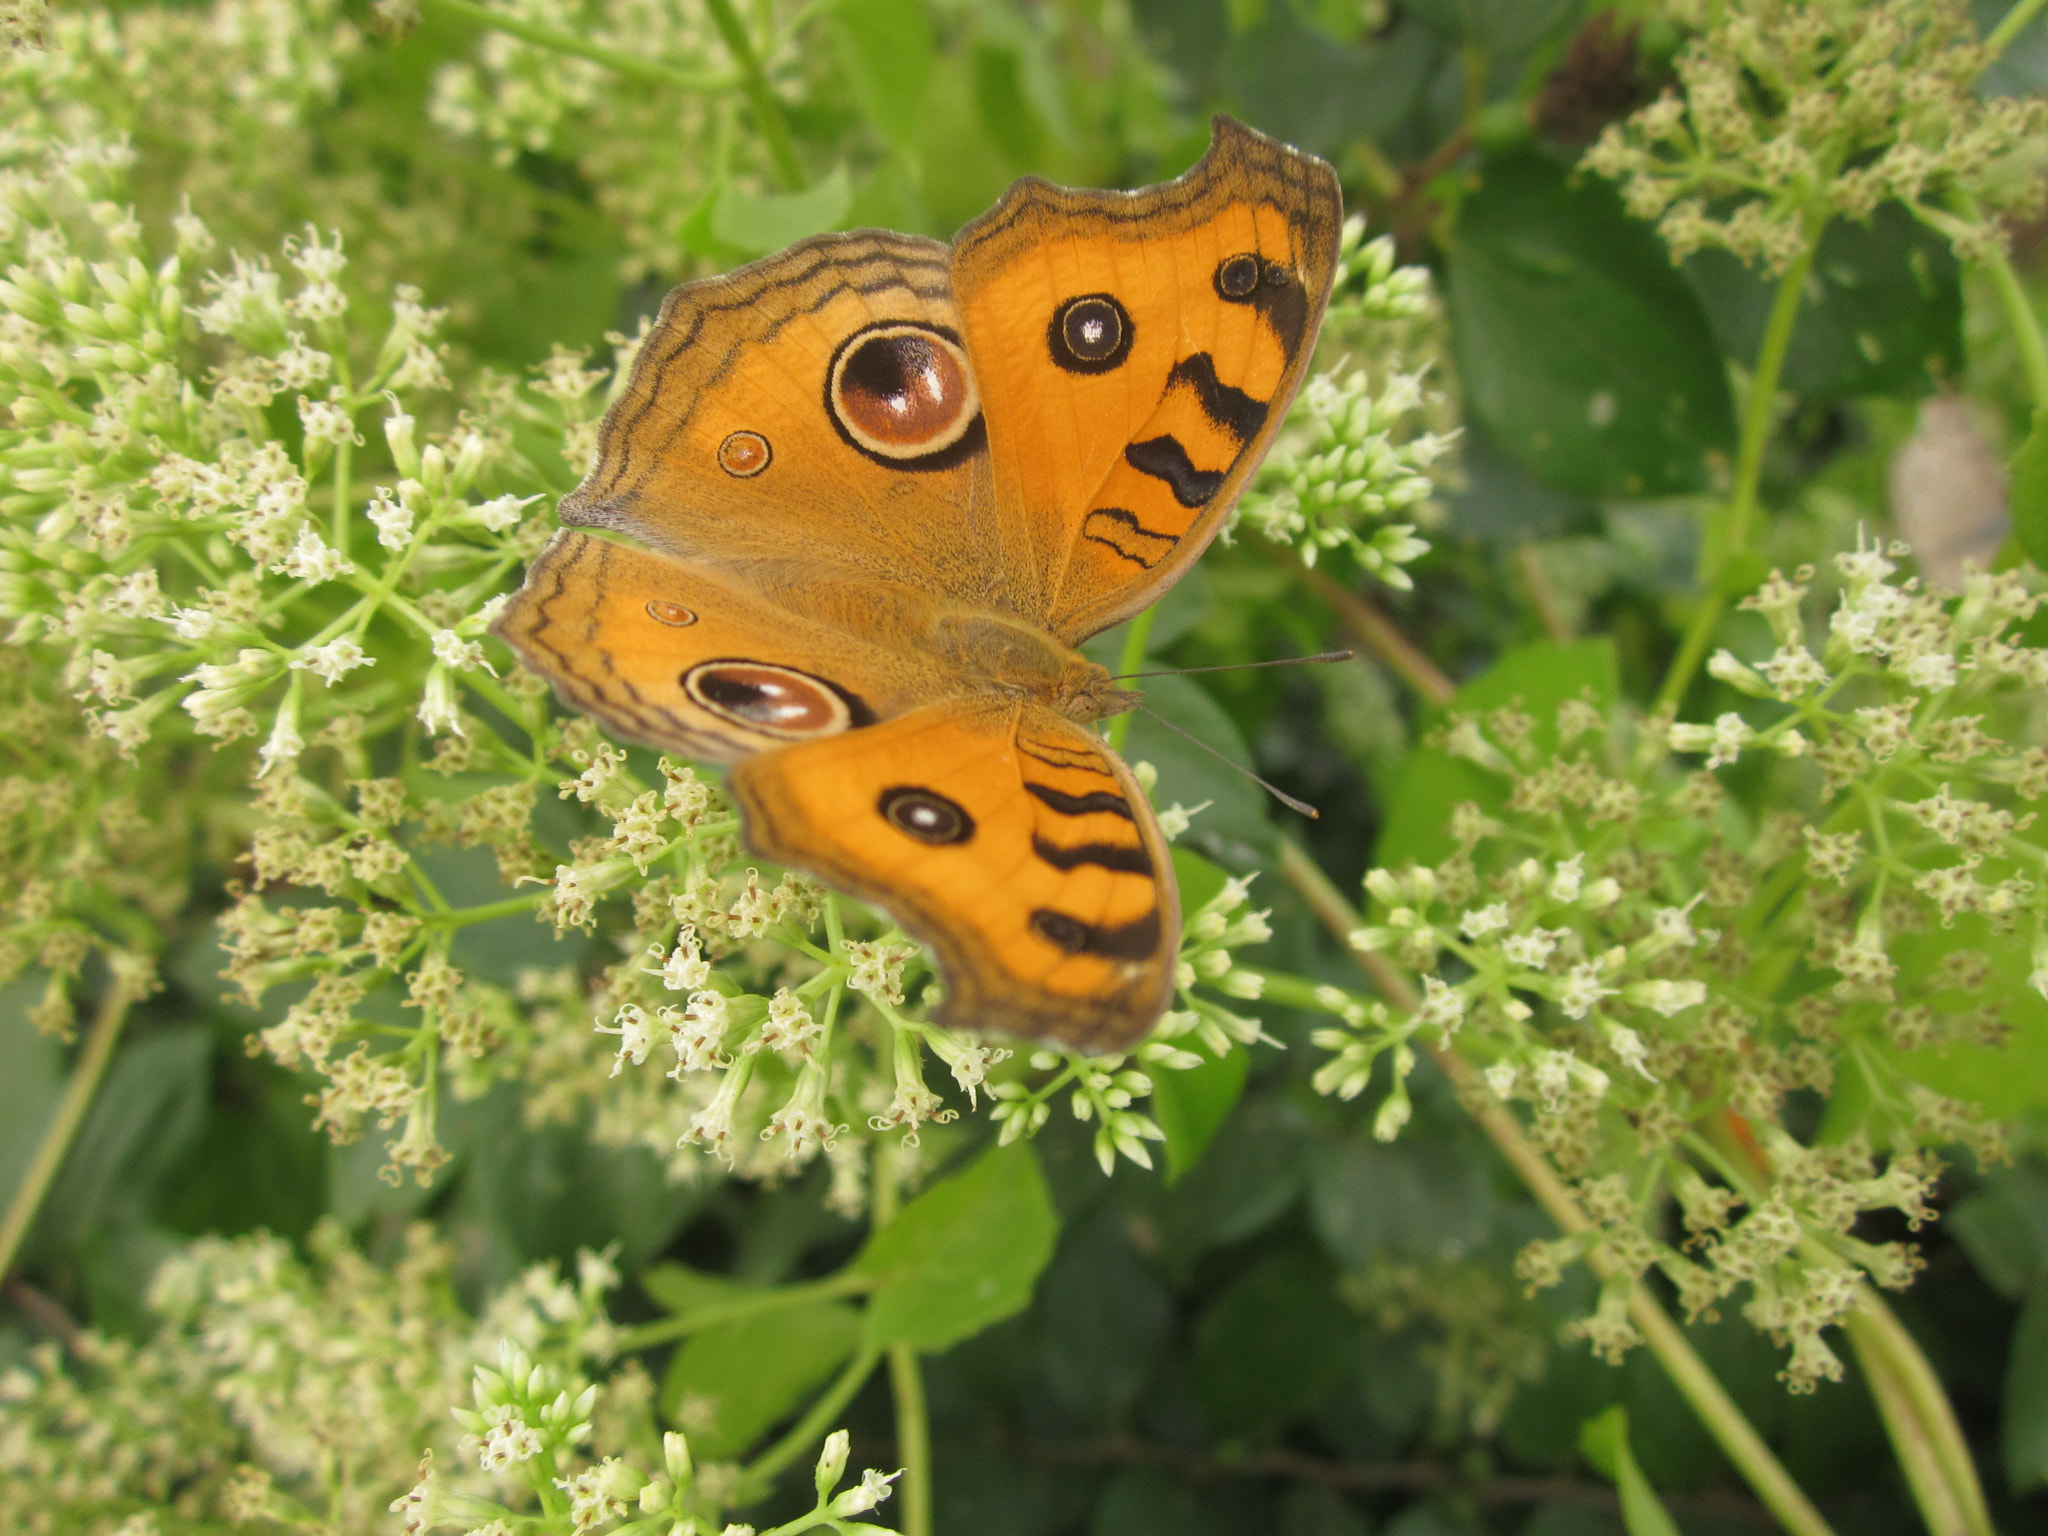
(867,496)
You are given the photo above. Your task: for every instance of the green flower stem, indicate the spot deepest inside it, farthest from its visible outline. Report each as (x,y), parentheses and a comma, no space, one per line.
(913,1439)
(1132,660)
(2011,25)
(1737,1437)
(808,1431)
(906,1383)
(1724,539)
(462,917)
(754,1304)
(1919,1420)
(767,112)
(556,41)
(78,1092)
(1373,631)
(2012,298)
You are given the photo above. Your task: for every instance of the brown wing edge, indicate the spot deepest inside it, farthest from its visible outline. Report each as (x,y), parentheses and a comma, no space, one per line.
(1314,206)
(1117,1025)
(604,496)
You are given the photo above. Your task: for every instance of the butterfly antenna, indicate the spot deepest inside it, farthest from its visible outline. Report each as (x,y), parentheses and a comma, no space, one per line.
(1239,666)
(1300,806)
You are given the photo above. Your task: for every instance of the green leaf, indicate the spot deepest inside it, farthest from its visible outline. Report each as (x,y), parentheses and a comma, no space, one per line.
(150,1109)
(2025,1431)
(31,1080)
(730,1384)
(1433,782)
(1190,1106)
(1104,1318)
(2003,1227)
(1411,1200)
(683,1292)
(1604,1440)
(1882,313)
(1584,354)
(760,222)
(1273,1346)
(885,47)
(962,1255)
(2029,492)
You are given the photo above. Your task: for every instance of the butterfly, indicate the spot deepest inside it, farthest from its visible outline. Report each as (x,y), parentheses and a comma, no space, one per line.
(858,503)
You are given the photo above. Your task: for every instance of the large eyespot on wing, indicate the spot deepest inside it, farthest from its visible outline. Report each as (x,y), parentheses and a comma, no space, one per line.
(1009,840)
(776,701)
(902,393)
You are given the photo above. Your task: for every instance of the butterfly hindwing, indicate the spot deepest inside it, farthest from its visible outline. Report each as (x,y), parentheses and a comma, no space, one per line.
(1010,840)
(1136,352)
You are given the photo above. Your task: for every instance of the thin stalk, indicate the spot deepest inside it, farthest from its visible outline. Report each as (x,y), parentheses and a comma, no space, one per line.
(1737,1437)
(739,1308)
(1542,594)
(1132,660)
(812,1428)
(906,1383)
(85,1081)
(2011,24)
(1723,540)
(754,81)
(2012,298)
(913,1439)
(1373,630)
(554,40)
(1919,1420)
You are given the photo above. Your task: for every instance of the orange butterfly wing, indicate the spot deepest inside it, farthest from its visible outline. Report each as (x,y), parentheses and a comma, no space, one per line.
(1007,838)
(1136,352)
(813,409)
(680,656)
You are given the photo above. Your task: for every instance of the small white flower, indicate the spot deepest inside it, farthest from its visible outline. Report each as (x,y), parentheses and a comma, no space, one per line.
(334,660)
(438,710)
(503,512)
(1481,921)
(456,653)
(1565,882)
(684,969)
(311,560)
(1500,1077)
(392,519)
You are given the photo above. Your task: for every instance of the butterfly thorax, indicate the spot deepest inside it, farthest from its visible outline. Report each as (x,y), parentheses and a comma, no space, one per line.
(992,651)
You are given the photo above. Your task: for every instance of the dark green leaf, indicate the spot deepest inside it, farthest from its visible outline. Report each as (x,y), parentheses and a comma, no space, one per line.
(1882,312)
(1582,351)
(1190,1105)
(2025,1430)
(1104,1317)
(961,1255)
(31,1080)
(1433,782)
(2029,494)
(1409,1200)
(885,47)
(1234,827)
(2003,1227)
(1144,1501)
(760,222)
(1250,1175)
(1604,1439)
(148,1112)
(1273,1346)
(729,1385)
